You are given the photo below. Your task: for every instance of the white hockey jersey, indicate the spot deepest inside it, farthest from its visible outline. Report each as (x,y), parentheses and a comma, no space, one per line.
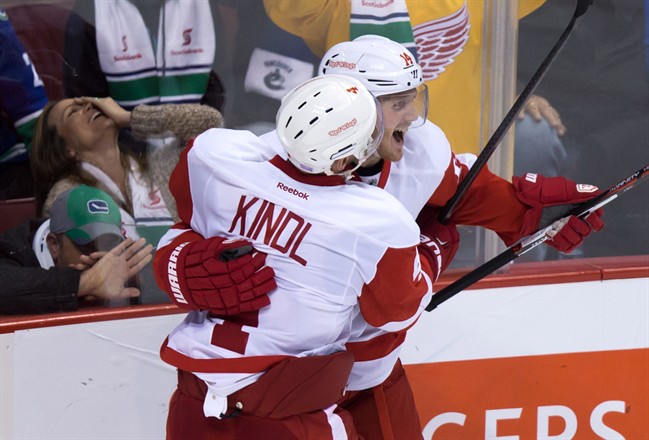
(427,175)
(339,251)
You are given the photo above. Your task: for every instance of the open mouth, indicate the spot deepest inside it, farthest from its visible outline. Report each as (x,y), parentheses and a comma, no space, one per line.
(398,136)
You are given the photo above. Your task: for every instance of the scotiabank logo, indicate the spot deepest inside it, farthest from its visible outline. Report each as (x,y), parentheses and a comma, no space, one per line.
(568,396)
(187,36)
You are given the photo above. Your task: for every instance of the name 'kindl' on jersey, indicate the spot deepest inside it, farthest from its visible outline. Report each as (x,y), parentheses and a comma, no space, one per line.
(283,232)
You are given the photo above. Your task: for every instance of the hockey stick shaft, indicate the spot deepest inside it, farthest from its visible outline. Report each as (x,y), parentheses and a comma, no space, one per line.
(492,144)
(528,243)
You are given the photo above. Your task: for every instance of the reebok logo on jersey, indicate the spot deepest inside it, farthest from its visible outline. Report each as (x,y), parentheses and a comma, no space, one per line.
(343,127)
(293,191)
(172,275)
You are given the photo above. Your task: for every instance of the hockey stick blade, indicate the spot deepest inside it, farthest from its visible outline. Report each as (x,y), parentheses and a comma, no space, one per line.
(528,243)
(497,136)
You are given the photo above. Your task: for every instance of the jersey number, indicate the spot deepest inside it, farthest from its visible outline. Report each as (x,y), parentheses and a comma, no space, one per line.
(38,82)
(230,334)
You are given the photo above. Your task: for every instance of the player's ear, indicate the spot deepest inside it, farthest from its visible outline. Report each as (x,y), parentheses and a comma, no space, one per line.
(344,164)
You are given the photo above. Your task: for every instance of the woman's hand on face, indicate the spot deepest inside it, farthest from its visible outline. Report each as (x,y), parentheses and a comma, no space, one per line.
(110,108)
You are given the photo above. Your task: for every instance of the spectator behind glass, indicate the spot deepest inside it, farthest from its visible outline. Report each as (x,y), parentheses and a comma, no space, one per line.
(77,257)
(75,142)
(22,97)
(267,63)
(598,82)
(144,52)
(444,36)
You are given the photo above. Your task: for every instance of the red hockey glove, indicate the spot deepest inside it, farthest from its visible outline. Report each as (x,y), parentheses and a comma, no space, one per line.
(438,244)
(219,275)
(540,193)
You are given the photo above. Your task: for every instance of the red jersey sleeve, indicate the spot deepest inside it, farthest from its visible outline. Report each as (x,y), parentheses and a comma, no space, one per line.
(399,291)
(489,202)
(180,188)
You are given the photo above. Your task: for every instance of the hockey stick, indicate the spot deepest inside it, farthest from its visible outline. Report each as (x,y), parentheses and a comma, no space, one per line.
(528,243)
(490,147)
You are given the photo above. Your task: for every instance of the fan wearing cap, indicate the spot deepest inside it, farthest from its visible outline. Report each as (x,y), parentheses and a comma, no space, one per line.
(77,256)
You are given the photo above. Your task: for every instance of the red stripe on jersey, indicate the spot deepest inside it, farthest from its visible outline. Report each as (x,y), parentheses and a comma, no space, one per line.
(250,364)
(311,179)
(179,186)
(251,319)
(376,348)
(393,295)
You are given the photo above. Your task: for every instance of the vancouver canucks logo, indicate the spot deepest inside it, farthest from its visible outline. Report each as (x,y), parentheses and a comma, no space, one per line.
(98,206)
(274,80)
(3,15)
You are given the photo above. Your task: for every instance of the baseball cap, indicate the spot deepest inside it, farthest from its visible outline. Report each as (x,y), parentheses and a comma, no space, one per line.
(86,214)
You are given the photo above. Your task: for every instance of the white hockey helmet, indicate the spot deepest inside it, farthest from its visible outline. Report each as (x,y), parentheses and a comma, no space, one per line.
(326,119)
(384,66)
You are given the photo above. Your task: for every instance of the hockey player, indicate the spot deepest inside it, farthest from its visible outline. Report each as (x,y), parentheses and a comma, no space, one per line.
(339,250)
(417,166)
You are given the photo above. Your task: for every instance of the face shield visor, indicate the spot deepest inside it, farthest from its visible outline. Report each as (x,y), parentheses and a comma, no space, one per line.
(375,139)
(408,108)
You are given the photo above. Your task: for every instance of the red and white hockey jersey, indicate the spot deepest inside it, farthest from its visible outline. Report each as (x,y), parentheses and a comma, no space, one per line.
(339,251)
(427,175)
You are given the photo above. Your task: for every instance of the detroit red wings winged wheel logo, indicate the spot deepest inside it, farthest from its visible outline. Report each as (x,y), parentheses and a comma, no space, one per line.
(440,41)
